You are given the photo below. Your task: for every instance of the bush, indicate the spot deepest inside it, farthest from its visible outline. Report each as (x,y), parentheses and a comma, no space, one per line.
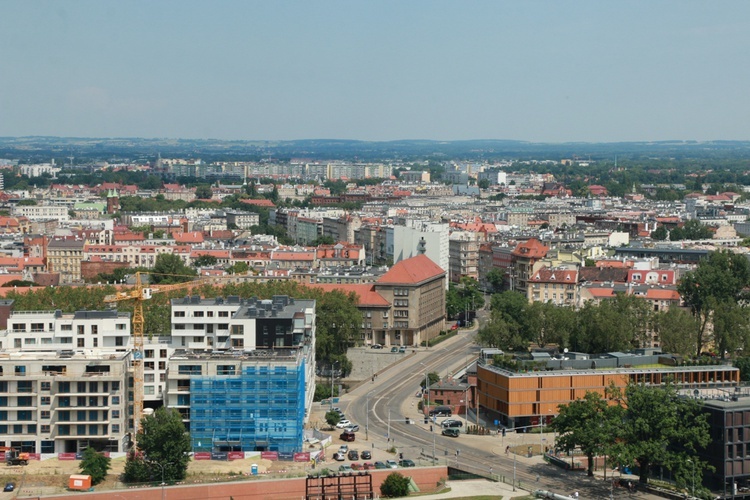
(395,485)
(443,336)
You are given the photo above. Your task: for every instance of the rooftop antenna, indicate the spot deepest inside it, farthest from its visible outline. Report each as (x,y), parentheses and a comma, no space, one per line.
(71,158)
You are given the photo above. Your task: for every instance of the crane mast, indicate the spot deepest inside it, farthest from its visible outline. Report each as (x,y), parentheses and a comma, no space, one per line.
(138,294)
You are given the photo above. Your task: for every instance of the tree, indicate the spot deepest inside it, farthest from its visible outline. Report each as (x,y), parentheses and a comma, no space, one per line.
(162,439)
(496,278)
(721,277)
(483,183)
(238,268)
(332,418)
(203,192)
(26,203)
(743,364)
(432,378)
(589,424)
(731,330)
(205,261)
(659,428)
(676,329)
(395,485)
(95,464)
(550,324)
(660,233)
(170,264)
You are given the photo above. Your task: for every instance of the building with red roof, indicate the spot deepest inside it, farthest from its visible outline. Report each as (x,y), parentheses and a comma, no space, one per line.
(525,259)
(259,203)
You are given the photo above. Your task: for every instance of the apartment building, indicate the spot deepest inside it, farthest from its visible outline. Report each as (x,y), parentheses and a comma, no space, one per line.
(41,212)
(464,255)
(243,373)
(64,256)
(65,380)
(526,259)
(242,220)
(556,285)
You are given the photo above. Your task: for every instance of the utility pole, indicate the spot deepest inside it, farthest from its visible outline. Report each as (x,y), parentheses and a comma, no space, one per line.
(333,371)
(367,421)
(514,471)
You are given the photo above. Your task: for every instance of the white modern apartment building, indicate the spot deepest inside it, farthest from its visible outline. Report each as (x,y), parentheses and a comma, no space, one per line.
(41,212)
(64,381)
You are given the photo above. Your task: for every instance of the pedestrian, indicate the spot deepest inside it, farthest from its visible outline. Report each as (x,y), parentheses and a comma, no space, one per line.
(507,448)
(490,471)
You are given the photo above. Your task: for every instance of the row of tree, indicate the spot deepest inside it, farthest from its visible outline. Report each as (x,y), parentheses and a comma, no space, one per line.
(716,316)
(646,427)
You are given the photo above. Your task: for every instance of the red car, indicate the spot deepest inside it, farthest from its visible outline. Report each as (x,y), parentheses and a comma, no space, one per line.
(455,326)
(368,466)
(356,466)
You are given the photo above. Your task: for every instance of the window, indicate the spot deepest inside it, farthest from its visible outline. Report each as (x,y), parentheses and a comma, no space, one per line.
(23,415)
(223,314)
(94,329)
(45,430)
(66,340)
(162,365)
(225,370)
(223,326)
(148,377)
(19,327)
(115,400)
(179,327)
(148,365)
(149,353)
(179,314)
(401,302)
(162,353)
(239,329)
(37,327)
(210,314)
(81,387)
(45,414)
(115,413)
(119,341)
(148,390)
(3,400)
(121,326)
(24,400)
(238,343)
(189,369)
(66,328)
(198,314)
(115,428)
(80,343)
(80,330)
(96,342)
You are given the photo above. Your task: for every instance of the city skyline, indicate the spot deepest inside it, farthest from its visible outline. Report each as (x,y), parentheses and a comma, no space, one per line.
(543,72)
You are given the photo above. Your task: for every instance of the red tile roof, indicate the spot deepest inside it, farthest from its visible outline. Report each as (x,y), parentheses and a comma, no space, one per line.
(531,249)
(366,294)
(412,271)
(259,203)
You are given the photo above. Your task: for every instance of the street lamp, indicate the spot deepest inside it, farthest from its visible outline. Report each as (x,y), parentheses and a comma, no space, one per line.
(367,417)
(333,370)
(693,463)
(161,466)
(426,388)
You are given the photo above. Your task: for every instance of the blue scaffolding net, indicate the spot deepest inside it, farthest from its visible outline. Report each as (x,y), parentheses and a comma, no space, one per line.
(261,409)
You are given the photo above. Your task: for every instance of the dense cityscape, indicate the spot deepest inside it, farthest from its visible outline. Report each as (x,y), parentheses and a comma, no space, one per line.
(257,305)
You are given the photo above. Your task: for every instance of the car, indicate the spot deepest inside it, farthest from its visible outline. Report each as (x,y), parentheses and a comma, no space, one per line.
(454,326)
(452,423)
(347,436)
(368,466)
(402,348)
(380,465)
(451,432)
(337,410)
(356,466)
(352,428)
(394,349)
(344,448)
(345,468)
(376,346)
(366,455)
(343,424)
(406,463)
(339,457)
(353,455)
(392,464)
(9,487)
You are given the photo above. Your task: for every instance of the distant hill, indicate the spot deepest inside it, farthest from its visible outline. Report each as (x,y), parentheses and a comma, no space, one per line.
(44,148)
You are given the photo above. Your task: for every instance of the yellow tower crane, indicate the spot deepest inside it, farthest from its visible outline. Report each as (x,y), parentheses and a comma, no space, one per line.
(138,294)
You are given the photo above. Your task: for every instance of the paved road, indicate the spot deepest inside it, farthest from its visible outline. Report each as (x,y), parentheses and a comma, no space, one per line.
(381,408)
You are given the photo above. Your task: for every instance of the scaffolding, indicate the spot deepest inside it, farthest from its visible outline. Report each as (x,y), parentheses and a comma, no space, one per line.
(261,409)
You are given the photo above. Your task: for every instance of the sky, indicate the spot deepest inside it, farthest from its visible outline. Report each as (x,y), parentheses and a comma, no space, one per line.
(541,71)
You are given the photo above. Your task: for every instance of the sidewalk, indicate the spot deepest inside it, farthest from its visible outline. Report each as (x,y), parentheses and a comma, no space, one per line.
(476,487)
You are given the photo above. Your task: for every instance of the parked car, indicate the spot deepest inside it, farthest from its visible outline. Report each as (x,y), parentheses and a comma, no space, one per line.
(9,487)
(347,436)
(394,349)
(406,463)
(368,466)
(353,455)
(392,464)
(345,468)
(339,457)
(452,423)
(343,424)
(366,455)
(344,448)
(337,410)
(451,432)
(380,465)
(402,348)
(352,428)
(441,411)
(356,466)
(376,346)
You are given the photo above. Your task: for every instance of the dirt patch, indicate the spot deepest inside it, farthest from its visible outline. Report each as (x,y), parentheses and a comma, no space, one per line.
(49,477)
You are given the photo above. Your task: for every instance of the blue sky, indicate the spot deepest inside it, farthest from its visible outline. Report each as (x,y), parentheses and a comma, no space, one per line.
(551,71)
